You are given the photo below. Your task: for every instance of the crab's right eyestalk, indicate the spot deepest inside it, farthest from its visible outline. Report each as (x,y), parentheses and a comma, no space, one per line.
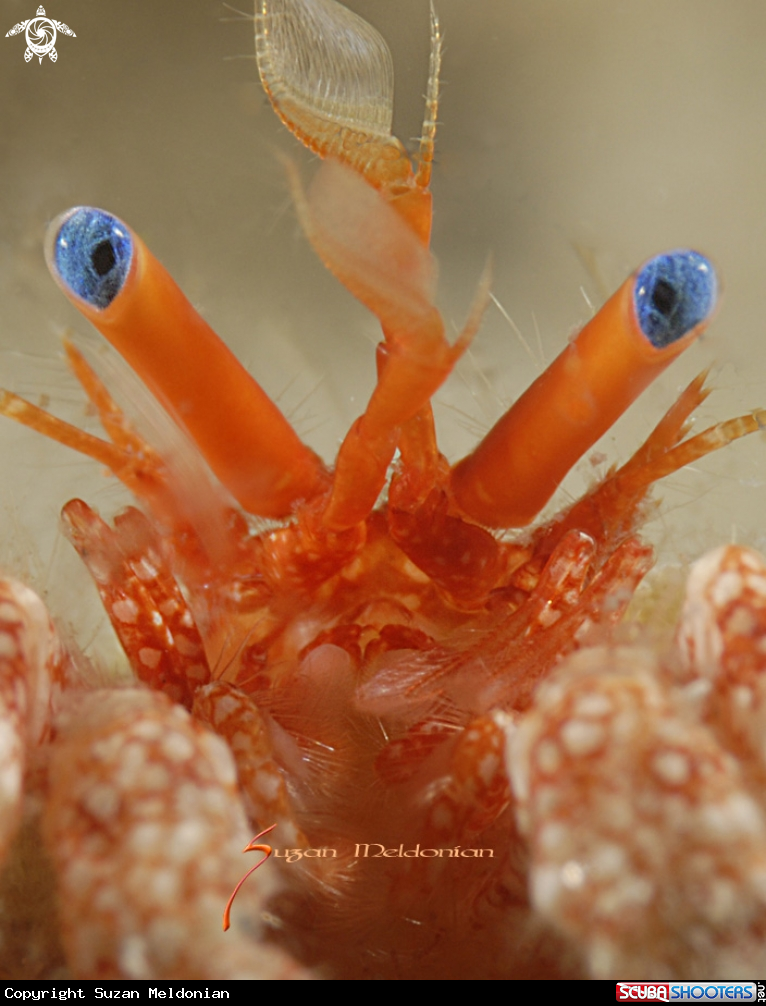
(113,279)
(654,316)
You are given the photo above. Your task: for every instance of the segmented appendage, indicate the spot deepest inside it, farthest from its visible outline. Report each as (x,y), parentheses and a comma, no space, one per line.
(467,776)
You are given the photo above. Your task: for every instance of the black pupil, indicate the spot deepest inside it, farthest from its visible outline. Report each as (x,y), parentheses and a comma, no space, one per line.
(103,258)
(664,297)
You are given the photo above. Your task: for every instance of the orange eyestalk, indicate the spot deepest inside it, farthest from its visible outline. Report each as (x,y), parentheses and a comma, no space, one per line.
(117,284)
(653,317)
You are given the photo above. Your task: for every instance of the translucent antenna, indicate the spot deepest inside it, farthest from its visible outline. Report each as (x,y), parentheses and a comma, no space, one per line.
(428,135)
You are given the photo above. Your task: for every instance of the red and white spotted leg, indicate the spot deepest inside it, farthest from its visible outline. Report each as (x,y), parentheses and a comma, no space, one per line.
(647,851)
(146,828)
(476,791)
(142,599)
(235,717)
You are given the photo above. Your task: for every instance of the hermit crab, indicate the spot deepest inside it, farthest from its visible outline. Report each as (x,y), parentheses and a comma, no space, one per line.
(473,769)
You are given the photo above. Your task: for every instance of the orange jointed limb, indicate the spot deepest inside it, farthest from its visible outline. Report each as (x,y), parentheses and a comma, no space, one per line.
(129,457)
(612,507)
(375,242)
(651,319)
(110,415)
(691,450)
(417,364)
(380,259)
(420,459)
(112,278)
(64,433)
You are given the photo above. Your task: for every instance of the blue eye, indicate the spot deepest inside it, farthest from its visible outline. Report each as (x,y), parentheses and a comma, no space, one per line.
(91,254)
(674,293)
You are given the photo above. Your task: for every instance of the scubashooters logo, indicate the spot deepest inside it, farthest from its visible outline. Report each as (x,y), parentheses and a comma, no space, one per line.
(41,32)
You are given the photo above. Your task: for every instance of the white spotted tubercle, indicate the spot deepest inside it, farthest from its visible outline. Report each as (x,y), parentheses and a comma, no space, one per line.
(33,671)
(146,828)
(647,848)
(722,640)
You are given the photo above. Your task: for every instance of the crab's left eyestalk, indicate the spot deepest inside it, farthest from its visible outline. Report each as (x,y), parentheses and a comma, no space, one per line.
(654,316)
(114,280)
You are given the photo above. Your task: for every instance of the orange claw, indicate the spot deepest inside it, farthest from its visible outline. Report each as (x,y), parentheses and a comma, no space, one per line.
(653,317)
(113,279)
